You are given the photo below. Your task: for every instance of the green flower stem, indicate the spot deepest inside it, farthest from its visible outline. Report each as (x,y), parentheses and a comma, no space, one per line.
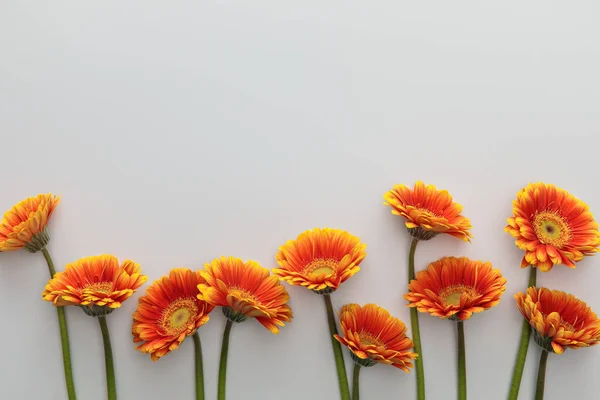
(337,351)
(355,383)
(199,367)
(223,362)
(64,335)
(541,379)
(414,323)
(111,386)
(462,363)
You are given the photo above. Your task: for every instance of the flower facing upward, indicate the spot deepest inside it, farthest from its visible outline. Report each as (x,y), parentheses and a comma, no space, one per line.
(25,224)
(559,319)
(455,288)
(245,289)
(428,211)
(169,312)
(552,226)
(97,284)
(320,259)
(373,336)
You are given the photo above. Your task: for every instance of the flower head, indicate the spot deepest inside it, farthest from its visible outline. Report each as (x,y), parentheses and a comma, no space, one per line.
(552,226)
(24,225)
(320,259)
(428,211)
(169,312)
(97,284)
(456,288)
(559,319)
(245,289)
(373,336)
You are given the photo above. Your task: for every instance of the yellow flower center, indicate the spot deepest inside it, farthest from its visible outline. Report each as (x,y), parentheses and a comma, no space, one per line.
(451,295)
(100,287)
(369,340)
(550,228)
(427,212)
(179,315)
(327,266)
(243,301)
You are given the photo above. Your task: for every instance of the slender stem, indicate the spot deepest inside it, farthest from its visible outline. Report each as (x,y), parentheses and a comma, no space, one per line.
(414,323)
(199,367)
(223,362)
(523,346)
(337,351)
(462,363)
(111,386)
(64,335)
(541,378)
(355,382)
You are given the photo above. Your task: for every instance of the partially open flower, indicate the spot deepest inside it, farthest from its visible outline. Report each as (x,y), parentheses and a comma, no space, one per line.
(25,224)
(169,312)
(552,226)
(320,259)
(428,211)
(97,284)
(559,319)
(374,336)
(245,289)
(456,288)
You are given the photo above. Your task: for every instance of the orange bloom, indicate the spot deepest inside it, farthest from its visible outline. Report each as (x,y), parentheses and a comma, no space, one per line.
(456,288)
(559,319)
(320,259)
(373,336)
(97,284)
(552,226)
(245,289)
(25,224)
(169,312)
(428,211)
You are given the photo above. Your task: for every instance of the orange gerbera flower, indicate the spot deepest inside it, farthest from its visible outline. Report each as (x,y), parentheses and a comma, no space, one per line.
(373,336)
(169,312)
(97,284)
(428,211)
(456,288)
(559,319)
(552,226)
(320,259)
(245,289)
(24,225)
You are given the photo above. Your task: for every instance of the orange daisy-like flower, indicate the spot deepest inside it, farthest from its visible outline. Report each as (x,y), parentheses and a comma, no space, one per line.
(169,312)
(97,284)
(456,288)
(245,289)
(374,336)
(552,226)
(320,259)
(25,224)
(428,211)
(559,319)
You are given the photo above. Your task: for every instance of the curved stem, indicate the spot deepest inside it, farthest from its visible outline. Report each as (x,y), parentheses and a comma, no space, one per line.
(111,386)
(64,335)
(199,367)
(337,350)
(414,323)
(462,363)
(355,383)
(541,379)
(223,362)
(523,346)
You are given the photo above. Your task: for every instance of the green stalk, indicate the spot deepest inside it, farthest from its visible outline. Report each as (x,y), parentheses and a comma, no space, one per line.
(541,379)
(223,362)
(337,351)
(523,346)
(111,386)
(355,383)
(64,335)
(199,367)
(414,323)
(462,363)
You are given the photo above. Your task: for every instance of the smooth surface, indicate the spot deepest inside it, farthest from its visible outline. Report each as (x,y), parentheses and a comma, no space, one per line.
(177,132)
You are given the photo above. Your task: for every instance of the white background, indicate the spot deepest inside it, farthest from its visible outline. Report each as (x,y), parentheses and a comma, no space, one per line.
(177,132)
